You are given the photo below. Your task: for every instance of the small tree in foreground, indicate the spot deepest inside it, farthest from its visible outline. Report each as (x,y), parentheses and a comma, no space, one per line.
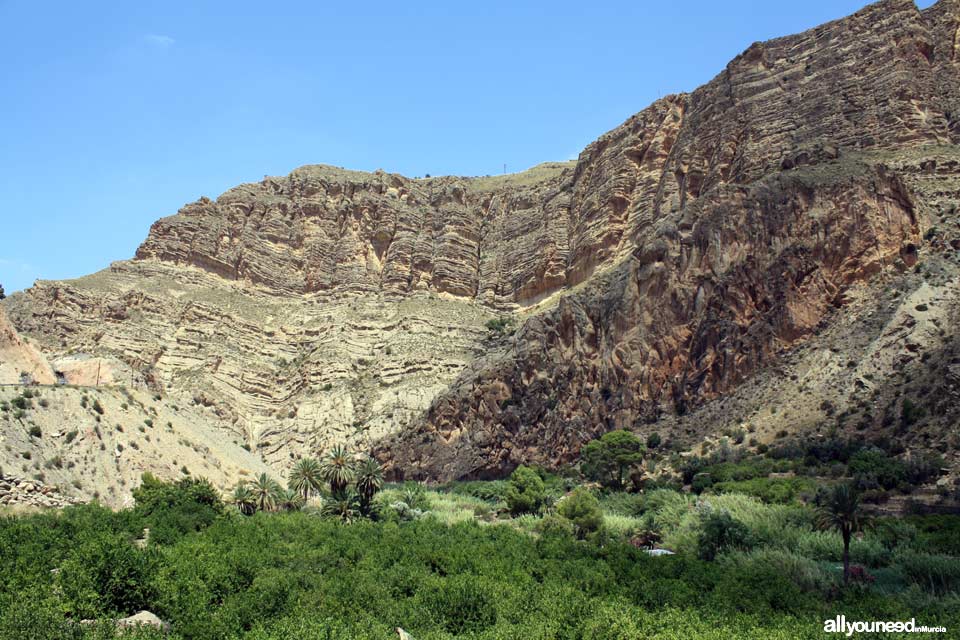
(841,511)
(525,492)
(722,532)
(337,468)
(582,509)
(266,492)
(609,458)
(305,477)
(369,482)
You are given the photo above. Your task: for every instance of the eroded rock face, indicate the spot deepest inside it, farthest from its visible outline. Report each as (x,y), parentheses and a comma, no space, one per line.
(19,360)
(748,209)
(327,230)
(677,259)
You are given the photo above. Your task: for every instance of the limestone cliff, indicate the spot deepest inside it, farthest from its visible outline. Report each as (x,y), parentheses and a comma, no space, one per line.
(750,209)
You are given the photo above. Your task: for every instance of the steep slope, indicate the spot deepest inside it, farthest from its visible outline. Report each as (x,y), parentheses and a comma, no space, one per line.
(712,243)
(66,443)
(327,306)
(755,206)
(19,360)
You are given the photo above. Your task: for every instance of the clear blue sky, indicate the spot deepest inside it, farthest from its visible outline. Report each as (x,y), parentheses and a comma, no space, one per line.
(117,113)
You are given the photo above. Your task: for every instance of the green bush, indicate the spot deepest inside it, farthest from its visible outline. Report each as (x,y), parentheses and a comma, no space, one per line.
(500,326)
(938,534)
(525,491)
(491,491)
(875,466)
(720,532)
(107,576)
(583,510)
(624,504)
(701,482)
(172,509)
(459,605)
(770,490)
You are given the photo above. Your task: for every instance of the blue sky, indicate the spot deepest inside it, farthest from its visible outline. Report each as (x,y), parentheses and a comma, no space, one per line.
(115,114)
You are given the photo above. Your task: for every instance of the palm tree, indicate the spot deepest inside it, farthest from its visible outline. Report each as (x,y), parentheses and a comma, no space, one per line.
(841,511)
(305,477)
(344,505)
(243,499)
(337,469)
(290,500)
(265,492)
(369,481)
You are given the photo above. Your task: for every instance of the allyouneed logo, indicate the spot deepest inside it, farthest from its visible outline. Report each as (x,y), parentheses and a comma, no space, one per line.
(840,624)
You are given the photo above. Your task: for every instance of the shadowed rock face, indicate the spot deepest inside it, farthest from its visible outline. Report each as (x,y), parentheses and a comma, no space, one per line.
(678,258)
(748,208)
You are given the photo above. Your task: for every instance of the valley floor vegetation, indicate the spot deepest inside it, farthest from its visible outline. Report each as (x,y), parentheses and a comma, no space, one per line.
(340,554)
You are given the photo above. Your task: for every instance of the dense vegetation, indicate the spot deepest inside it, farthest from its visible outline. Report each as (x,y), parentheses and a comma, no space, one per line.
(338,554)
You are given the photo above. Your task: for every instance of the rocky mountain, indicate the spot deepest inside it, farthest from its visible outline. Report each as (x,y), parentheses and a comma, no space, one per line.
(770,252)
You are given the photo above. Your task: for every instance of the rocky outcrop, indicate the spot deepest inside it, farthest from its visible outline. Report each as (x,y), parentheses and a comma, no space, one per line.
(19,360)
(751,206)
(327,230)
(20,491)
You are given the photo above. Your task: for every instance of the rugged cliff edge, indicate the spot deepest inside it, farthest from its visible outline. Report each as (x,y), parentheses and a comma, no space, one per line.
(689,270)
(752,208)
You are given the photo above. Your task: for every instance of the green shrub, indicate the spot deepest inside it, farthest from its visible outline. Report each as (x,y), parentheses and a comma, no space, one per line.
(770,490)
(171,509)
(107,576)
(34,431)
(583,510)
(701,482)
(720,532)
(459,605)
(910,413)
(623,503)
(491,491)
(415,497)
(807,574)
(500,326)
(875,466)
(525,491)
(72,435)
(938,534)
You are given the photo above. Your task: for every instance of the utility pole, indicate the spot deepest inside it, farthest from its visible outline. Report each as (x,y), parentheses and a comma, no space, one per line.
(504,168)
